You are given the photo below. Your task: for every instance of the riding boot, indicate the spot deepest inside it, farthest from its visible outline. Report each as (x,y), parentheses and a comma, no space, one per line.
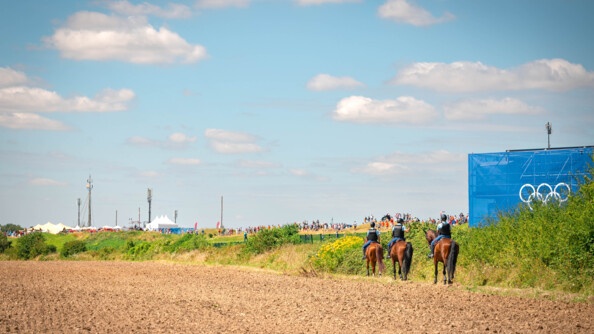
(430,256)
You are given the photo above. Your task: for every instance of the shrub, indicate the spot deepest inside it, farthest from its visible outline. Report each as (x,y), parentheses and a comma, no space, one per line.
(341,256)
(187,242)
(73,247)
(267,239)
(33,245)
(4,242)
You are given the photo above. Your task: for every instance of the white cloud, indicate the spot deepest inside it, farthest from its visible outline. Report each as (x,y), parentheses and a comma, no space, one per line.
(173,10)
(212,4)
(45,182)
(230,136)
(321,2)
(96,36)
(327,82)
(401,163)
(31,99)
(185,161)
(141,141)
(546,74)
(10,77)
(175,140)
(181,138)
(149,174)
(481,109)
(229,142)
(26,121)
(19,102)
(403,12)
(404,109)
(258,164)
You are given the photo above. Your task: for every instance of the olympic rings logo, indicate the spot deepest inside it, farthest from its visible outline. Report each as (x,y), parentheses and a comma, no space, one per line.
(544,193)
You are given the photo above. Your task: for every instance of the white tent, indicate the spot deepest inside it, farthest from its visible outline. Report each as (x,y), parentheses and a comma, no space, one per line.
(161,222)
(51,228)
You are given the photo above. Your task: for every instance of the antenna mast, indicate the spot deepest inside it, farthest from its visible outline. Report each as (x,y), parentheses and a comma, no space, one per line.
(549,128)
(90,187)
(149,198)
(78,221)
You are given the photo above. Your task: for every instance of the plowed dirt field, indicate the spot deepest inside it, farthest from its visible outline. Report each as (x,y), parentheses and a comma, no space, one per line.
(154,297)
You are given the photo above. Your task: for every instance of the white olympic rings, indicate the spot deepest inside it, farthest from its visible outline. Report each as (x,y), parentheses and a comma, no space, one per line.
(545,197)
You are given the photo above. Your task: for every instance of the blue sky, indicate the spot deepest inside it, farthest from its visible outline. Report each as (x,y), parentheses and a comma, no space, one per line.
(291,110)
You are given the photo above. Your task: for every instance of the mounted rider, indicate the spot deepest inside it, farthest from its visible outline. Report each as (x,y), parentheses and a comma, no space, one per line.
(443,231)
(397,233)
(373,235)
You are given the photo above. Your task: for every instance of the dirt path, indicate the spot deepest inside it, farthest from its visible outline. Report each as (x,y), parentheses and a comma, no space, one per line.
(149,297)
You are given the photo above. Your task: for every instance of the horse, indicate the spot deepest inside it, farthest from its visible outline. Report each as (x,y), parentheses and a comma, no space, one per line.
(402,252)
(446,251)
(375,254)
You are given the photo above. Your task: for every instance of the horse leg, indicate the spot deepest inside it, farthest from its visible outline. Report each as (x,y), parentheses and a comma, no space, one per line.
(394,266)
(367,267)
(435,276)
(444,273)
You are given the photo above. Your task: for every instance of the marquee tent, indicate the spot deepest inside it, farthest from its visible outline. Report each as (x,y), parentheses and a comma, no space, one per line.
(51,228)
(161,222)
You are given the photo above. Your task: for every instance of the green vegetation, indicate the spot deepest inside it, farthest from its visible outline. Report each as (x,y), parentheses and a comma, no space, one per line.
(73,247)
(4,242)
(10,228)
(550,247)
(33,245)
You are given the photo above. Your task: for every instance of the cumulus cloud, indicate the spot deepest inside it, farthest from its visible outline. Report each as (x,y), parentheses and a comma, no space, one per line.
(31,99)
(173,10)
(481,109)
(185,161)
(213,4)
(10,77)
(19,103)
(327,82)
(181,138)
(545,74)
(96,36)
(175,140)
(402,163)
(229,142)
(25,121)
(45,182)
(321,2)
(403,110)
(402,11)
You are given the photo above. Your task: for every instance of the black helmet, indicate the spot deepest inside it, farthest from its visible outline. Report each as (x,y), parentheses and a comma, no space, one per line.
(444,217)
(372,224)
(400,221)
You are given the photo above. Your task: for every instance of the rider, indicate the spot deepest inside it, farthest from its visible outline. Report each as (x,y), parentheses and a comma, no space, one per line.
(397,234)
(443,231)
(373,235)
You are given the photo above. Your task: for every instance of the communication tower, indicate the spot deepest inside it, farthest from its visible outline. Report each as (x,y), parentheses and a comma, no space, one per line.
(90,187)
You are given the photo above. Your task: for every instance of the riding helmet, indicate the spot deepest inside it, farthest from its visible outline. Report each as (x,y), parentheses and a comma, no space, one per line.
(444,217)
(400,221)
(372,224)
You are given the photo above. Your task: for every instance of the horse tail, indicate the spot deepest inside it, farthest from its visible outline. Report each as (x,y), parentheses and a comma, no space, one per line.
(452,259)
(379,253)
(408,253)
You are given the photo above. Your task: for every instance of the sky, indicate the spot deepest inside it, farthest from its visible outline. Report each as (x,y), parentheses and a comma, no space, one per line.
(280,110)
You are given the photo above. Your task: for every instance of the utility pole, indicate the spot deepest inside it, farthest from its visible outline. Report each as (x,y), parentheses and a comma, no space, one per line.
(150,199)
(222,212)
(90,187)
(549,128)
(78,221)
(175,217)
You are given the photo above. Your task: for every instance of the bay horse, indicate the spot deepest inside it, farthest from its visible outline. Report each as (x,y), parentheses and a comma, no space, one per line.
(402,252)
(375,255)
(446,251)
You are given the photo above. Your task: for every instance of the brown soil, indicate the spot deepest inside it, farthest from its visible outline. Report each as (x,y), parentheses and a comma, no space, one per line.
(151,297)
